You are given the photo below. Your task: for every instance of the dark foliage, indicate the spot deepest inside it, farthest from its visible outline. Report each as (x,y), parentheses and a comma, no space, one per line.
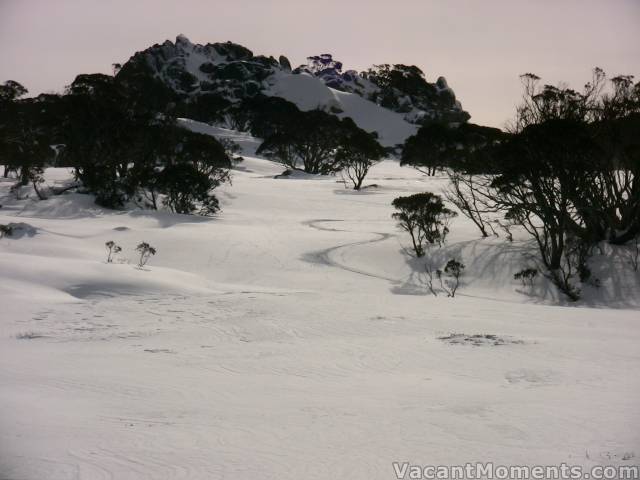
(122,149)
(402,87)
(437,145)
(526,275)
(11,90)
(567,173)
(310,143)
(25,131)
(429,149)
(450,278)
(6,230)
(407,79)
(146,251)
(200,164)
(425,218)
(112,249)
(545,169)
(270,115)
(357,153)
(207,108)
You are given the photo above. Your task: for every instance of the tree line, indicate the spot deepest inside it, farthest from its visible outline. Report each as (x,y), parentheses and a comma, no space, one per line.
(566,171)
(120,135)
(120,147)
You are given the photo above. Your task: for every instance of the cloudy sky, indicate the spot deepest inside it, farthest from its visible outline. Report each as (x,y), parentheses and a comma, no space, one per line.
(480,46)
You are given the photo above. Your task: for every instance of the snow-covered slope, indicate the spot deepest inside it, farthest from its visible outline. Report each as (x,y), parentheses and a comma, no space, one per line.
(305,91)
(245,141)
(291,337)
(309,92)
(391,126)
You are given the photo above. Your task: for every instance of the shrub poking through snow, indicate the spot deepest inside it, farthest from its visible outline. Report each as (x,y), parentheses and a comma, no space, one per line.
(526,275)
(146,251)
(29,335)
(112,249)
(17,230)
(6,230)
(452,273)
(425,218)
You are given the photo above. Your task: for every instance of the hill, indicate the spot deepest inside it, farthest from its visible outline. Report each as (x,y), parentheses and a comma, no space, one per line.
(390,100)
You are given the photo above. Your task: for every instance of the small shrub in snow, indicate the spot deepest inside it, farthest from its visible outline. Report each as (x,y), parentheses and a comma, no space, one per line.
(479,340)
(6,230)
(17,230)
(526,275)
(146,251)
(112,249)
(425,218)
(452,272)
(28,335)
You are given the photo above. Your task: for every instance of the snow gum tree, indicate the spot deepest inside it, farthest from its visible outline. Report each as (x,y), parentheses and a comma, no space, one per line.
(309,144)
(357,153)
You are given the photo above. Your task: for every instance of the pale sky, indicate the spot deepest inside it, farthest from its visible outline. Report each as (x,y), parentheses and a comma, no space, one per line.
(480,46)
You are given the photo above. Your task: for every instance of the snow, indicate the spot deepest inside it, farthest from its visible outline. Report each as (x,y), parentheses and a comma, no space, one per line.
(291,337)
(392,128)
(244,140)
(306,91)
(309,93)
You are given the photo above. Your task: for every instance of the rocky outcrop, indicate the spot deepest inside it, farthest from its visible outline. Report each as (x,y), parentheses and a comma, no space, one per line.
(232,72)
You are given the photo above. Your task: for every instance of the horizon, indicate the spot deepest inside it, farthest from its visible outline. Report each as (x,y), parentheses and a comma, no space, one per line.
(480,49)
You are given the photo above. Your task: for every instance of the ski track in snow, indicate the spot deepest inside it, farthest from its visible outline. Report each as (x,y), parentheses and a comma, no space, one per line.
(325,256)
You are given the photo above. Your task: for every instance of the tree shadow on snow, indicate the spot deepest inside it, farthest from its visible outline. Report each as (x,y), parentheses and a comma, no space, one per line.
(489,264)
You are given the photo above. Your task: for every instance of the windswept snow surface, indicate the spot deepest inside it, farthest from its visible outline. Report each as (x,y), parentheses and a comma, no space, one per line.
(291,337)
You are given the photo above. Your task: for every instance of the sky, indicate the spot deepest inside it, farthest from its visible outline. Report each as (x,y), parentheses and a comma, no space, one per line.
(480,46)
